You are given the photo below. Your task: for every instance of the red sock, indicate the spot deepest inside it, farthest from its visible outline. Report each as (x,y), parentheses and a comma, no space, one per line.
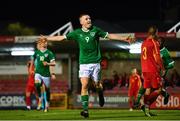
(130,103)
(146,97)
(28,101)
(149,99)
(153,96)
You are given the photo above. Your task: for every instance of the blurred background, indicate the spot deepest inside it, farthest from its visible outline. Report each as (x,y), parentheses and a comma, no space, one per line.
(21,23)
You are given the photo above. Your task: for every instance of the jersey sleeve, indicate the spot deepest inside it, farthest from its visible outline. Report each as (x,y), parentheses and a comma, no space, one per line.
(51,56)
(33,57)
(71,36)
(101,33)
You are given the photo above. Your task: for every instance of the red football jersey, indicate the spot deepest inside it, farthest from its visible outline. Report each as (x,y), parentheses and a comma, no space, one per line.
(135,82)
(149,56)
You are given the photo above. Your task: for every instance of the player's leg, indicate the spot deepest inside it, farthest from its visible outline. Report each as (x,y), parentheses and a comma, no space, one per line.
(46,87)
(84,74)
(145,107)
(166,95)
(28,98)
(156,84)
(35,93)
(84,96)
(147,87)
(96,76)
(42,97)
(139,96)
(130,103)
(38,84)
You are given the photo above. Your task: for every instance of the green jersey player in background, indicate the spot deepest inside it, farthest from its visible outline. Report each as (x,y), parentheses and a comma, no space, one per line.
(87,38)
(44,61)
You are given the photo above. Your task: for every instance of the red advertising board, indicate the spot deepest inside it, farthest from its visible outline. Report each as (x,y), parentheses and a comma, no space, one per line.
(174,102)
(162,34)
(4,39)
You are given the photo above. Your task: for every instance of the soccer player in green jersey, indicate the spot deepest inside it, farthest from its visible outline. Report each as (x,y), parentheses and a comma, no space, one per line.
(87,38)
(44,61)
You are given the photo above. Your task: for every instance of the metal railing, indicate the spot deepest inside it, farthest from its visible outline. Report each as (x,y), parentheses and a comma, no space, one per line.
(175,28)
(65,29)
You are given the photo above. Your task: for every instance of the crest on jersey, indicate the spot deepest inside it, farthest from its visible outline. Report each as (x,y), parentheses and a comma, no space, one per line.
(46,55)
(92,34)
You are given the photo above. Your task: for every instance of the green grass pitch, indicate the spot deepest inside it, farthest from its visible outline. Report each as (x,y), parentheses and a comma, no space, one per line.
(94,114)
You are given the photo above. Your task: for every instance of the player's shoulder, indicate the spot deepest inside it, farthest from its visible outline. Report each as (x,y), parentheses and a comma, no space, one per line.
(77,30)
(147,41)
(36,51)
(49,51)
(95,27)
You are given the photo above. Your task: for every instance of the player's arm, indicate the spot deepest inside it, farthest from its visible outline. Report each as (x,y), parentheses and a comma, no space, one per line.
(51,63)
(139,81)
(56,38)
(122,38)
(157,57)
(31,67)
(130,83)
(52,70)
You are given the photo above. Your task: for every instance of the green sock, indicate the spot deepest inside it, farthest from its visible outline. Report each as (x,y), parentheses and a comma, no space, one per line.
(85,101)
(140,94)
(164,93)
(38,88)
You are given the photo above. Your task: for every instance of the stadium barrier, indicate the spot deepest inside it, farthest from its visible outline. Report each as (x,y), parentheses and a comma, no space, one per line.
(59,101)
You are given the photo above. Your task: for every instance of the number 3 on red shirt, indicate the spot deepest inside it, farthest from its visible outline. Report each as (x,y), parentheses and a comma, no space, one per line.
(144,53)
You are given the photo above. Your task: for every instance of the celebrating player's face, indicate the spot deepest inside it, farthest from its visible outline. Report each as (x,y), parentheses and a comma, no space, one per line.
(85,21)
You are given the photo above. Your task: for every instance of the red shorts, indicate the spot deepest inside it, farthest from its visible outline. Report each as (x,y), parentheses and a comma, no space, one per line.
(30,88)
(133,92)
(152,80)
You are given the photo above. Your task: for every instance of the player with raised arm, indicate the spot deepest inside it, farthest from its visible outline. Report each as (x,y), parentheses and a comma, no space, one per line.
(87,38)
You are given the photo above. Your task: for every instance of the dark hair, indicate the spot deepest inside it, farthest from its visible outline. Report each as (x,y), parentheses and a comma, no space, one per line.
(161,42)
(152,31)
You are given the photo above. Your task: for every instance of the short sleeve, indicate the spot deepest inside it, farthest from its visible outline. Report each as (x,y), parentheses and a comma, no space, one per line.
(101,33)
(51,56)
(71,36)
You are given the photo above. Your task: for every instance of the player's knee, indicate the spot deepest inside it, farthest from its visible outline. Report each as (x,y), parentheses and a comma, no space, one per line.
(28,94)
(84,86)
(148,91)
(36,81)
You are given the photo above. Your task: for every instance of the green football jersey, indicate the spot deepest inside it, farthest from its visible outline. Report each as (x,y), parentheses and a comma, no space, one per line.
(167,60)
(88,44)
(39,57)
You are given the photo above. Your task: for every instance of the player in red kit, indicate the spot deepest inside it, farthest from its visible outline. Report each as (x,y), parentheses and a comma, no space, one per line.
(151,64)
(134,86)
(30,88)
